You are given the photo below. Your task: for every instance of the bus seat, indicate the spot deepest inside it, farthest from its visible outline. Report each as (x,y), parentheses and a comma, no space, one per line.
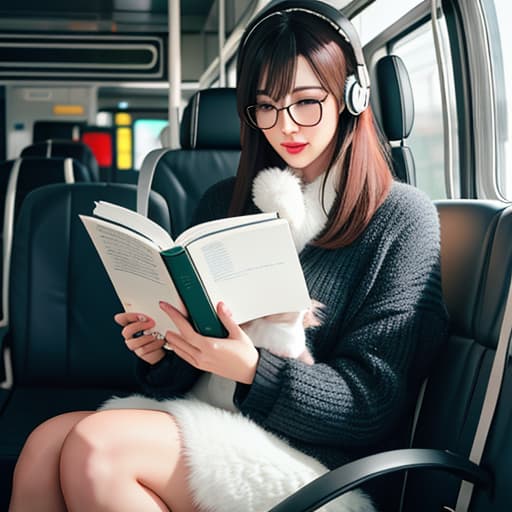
(65,148)
(67,130)
(67,352)
(17,178)
(210,151)
(476,265)
(397,113)
(476,271)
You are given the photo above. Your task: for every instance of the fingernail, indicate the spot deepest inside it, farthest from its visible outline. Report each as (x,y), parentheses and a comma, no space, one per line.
(141,318)
(225,309)
(164,304)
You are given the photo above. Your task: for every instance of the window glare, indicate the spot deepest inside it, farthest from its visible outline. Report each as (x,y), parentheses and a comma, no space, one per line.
(427,137)
(146,137)
(380,15)
(498,15)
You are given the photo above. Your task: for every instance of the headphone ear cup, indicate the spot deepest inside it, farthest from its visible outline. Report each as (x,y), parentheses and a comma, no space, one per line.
(356,97)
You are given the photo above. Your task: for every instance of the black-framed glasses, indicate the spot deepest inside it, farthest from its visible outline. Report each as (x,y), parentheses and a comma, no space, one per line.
(306,112)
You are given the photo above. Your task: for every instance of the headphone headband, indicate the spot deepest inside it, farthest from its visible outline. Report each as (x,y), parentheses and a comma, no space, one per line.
(357,89)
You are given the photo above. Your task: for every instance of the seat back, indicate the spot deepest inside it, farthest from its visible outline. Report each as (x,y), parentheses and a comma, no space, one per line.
(397,113)
(67,352)
(65,149)
(210,140)
(476,270)
(62,302)
(67,130)
(17,178)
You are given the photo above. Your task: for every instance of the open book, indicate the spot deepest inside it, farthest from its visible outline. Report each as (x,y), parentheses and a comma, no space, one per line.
(248,262)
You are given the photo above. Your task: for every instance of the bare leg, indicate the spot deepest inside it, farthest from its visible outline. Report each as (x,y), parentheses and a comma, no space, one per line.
(36,485)
(125,460)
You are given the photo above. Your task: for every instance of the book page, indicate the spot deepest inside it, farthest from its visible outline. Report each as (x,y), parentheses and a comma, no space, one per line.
(136,269)
(134,221)
(255,270)
(213,226)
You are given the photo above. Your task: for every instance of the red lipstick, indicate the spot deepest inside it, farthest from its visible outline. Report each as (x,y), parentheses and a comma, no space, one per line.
(294,147)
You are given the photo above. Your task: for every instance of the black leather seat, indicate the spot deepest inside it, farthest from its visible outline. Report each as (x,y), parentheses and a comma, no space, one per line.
(67,352)
(397,113)
(476,264)
(210,151)
(65,149)
(476,271)
(46,129)
(17,178)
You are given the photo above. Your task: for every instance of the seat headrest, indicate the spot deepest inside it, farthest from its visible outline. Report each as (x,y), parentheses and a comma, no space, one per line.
(395,97)
(68,130)
(65,148)
(210,120)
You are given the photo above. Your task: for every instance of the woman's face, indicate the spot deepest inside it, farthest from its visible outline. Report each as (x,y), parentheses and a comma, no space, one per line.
(307,149)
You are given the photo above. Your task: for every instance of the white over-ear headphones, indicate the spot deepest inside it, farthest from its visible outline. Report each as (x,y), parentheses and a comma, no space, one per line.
(357,86)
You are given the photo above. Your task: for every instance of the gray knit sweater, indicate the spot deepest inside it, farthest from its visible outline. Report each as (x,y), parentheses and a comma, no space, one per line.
(384,320)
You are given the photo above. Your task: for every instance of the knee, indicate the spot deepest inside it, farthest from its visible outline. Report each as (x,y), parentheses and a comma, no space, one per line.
(37,464)
(43,443)
(88,459)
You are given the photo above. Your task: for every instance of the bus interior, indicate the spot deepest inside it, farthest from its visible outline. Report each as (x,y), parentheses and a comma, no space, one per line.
(134,102)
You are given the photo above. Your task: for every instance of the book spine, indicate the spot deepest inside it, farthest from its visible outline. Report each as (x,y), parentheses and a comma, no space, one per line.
(191,290)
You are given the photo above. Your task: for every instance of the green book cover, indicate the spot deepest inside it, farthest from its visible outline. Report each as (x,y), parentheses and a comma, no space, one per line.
(190,288)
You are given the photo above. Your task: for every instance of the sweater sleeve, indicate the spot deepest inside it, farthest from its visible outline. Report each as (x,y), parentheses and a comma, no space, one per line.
(169,378)
(369,351)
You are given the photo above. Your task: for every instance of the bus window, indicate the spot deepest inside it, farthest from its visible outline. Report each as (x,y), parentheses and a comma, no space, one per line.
(498,15)
(379,15)
(417,50)
(146,137)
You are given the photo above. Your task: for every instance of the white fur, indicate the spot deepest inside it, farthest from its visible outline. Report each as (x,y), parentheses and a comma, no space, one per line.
(302,205)
(285,339)
(236,465)
(274,190)
(281,190)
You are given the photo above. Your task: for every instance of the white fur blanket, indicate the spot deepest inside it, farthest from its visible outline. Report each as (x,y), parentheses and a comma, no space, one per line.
(235,465)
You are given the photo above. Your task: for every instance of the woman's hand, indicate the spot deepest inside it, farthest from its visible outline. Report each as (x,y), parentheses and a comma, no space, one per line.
(146,346)
(234,357)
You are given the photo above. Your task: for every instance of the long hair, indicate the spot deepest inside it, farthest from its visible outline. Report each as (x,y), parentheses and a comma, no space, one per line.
(365,176)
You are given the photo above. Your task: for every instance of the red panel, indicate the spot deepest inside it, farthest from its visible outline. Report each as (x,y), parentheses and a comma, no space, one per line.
(101,145)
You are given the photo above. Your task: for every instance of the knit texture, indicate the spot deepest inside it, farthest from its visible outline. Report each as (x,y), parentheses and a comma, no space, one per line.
(384,319)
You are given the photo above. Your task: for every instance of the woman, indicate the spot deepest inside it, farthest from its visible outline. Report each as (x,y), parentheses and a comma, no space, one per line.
(370,254)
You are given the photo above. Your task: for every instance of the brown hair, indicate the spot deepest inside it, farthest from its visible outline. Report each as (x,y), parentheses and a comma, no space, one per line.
(365,178)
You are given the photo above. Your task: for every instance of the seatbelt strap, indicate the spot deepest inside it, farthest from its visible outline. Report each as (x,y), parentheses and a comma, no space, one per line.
(146,173)
(492,393)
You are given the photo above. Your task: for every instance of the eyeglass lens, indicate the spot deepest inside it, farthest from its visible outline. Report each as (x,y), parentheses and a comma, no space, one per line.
(303,113)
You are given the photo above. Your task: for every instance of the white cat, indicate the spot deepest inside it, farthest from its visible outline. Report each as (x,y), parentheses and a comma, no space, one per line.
(281,191)
(305,207)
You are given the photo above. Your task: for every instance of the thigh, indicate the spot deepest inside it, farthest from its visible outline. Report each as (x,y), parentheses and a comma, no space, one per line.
(45,442)
(36,476)
(144,445)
